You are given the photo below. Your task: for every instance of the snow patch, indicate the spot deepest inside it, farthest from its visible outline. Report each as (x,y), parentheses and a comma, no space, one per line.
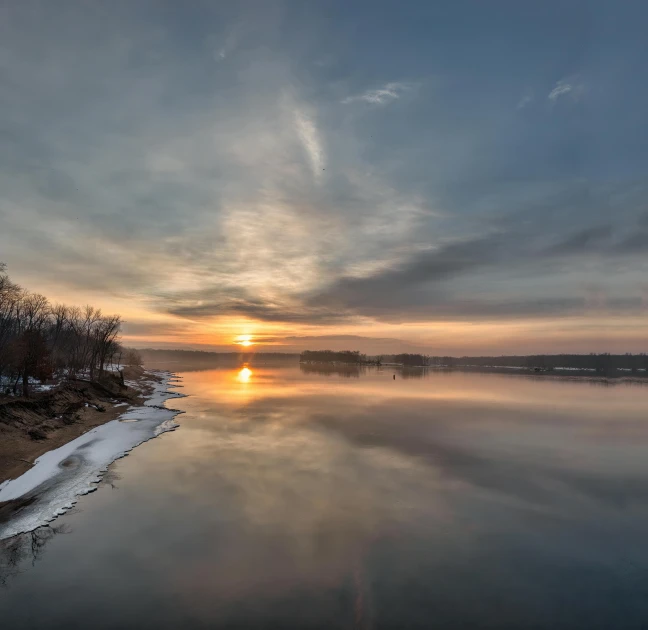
(52,485)
(45,388)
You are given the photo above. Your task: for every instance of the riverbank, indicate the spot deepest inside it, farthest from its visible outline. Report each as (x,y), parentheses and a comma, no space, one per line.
(61,475)
(30,427)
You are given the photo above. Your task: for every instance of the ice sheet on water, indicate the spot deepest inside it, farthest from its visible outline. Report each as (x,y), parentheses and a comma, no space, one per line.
(158,397)
(60,476)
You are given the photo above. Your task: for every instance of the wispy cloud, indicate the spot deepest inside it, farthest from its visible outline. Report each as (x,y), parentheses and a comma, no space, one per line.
(310,138)
(387,93)
(526,99)
(568,87)
(224,48)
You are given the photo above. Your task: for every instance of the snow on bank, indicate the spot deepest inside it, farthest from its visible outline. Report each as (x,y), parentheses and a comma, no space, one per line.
(60,476)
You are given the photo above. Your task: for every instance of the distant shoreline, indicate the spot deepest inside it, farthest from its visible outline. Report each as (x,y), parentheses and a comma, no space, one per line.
(602,365)
(619,376)
(563,373)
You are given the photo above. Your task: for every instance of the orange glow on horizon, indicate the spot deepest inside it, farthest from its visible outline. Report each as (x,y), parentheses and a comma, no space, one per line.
(145,328)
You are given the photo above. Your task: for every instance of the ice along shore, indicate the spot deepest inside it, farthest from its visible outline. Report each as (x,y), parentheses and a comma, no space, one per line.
(60,476)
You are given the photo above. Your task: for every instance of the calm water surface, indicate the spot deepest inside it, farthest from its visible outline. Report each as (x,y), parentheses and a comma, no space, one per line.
(310,499)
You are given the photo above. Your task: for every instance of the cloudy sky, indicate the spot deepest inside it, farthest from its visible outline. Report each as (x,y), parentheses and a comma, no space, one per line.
(459,177)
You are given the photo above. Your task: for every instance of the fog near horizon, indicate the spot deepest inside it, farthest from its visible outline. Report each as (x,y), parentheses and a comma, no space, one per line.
(459,179)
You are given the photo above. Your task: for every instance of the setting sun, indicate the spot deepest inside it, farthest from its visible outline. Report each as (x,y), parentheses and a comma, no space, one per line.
(244,340)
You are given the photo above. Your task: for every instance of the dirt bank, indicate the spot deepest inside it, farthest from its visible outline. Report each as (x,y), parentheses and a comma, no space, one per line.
(32,426)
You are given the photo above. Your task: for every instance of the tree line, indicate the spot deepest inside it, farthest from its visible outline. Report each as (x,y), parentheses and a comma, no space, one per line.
(352,357)
(407,359)
(39,340)
(601,363)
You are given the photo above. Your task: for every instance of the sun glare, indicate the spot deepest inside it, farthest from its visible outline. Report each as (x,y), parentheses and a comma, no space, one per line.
(244,375)
(244,340)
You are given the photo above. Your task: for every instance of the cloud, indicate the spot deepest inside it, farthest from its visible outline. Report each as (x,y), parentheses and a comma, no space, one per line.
(592,239)
(538,263)
(148,328)
(310,138)
(570,88)
(257,310)
(431,436)
(526,100)
(381,96)
(527,276)
(636,243)
(390,286)
(138,167)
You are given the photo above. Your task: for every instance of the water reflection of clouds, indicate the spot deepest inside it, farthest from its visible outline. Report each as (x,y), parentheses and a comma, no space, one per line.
(323,369)
(579,400)
(496,433)
(308,504)
(335,502)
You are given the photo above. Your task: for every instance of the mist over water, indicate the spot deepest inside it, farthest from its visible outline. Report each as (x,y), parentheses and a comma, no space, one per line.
(314,498)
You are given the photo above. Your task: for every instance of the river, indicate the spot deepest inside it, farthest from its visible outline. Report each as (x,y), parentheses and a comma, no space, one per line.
(313,498)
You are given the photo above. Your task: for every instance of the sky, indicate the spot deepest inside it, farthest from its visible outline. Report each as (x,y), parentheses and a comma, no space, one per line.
(449,177)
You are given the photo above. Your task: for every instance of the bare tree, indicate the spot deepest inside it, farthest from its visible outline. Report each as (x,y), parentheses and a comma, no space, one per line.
(30,352)
(132,357)
(106,333)
(10,295)
(36,338)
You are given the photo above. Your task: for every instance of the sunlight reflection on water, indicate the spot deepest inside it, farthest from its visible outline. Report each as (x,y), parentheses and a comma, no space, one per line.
(244,375)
